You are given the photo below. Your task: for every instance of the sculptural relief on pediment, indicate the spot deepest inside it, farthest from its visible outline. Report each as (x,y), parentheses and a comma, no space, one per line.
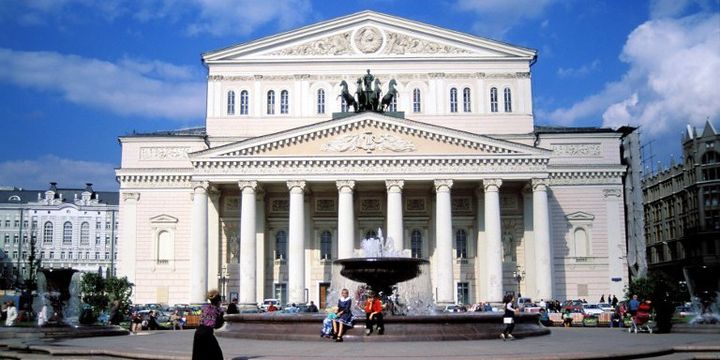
(368,142)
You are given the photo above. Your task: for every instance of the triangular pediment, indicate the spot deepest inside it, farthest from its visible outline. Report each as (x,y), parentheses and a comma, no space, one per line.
(369,34)
(368,135)
(163,219)
(580,216)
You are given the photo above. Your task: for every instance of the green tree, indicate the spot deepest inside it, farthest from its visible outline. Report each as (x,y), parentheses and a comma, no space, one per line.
(119,289)
(655,287)
(92,288)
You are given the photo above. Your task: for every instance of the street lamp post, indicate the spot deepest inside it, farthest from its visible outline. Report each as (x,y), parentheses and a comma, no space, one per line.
(222,280)
(518,275)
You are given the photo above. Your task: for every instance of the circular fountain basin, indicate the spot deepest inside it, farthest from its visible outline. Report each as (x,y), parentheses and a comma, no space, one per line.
(380,273)
(441,327)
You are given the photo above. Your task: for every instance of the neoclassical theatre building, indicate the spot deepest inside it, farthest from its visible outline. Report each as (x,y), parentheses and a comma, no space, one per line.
(260,201)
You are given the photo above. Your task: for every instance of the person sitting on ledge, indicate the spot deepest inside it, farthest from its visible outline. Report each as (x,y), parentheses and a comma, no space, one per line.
(344,318)
(373,314)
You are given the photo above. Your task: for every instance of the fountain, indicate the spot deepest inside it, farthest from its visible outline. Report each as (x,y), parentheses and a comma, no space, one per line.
(403,284)
(702,284)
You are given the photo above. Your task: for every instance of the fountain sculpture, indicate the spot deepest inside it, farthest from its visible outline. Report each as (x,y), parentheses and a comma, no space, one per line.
(403,283)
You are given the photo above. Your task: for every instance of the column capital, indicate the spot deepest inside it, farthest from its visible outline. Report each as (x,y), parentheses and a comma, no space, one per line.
(130,196)
(492,184)
(200,185)
(398,184)
(252,185)
(539,184)
(443,183)
(345,184)
(296,184)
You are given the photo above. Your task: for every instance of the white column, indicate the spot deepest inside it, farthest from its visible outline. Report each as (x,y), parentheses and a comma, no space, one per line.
(214,267)
(128,236)
(480,256)
(199,244)
(395,213)
(260,247)
(346,218)
(443,240)
(617,268)
(541,229)
(248,252)
(296,241)
(493,240)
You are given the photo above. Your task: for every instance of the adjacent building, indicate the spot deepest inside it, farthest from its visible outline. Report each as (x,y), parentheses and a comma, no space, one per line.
(682,209)
(70,228)
(261,200)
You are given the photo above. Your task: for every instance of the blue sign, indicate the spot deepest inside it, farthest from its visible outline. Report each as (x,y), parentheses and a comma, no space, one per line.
(616,279)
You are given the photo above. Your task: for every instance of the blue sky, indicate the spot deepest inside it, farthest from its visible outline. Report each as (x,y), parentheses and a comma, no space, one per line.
(75,74)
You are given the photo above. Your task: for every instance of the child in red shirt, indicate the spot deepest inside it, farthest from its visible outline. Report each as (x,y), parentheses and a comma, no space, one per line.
(373,314)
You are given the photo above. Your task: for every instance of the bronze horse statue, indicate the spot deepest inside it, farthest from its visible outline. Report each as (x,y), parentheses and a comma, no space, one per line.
(388,98)
(345,95)
(375,99)
(361,96)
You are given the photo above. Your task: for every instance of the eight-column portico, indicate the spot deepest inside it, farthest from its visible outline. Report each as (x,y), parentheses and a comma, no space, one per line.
(273,187)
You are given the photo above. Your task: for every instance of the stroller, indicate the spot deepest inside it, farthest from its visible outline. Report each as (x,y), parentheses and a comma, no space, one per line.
(643,320)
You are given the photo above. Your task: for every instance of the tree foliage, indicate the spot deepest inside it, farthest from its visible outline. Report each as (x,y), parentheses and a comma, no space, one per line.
(656,286)
(98,293)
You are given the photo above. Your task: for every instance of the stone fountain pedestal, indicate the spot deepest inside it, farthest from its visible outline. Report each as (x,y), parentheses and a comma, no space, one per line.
(441,327)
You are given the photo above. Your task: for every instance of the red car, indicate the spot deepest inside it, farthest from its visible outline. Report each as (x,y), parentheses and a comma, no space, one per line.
(573,306)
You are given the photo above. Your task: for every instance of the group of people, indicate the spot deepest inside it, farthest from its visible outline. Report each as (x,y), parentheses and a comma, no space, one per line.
(337,323)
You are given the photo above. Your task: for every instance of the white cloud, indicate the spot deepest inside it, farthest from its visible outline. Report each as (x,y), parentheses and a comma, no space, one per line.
(128,87)
(37,173)
(674,66)
(578,72)
(497,17)
(214,17)
(242,17)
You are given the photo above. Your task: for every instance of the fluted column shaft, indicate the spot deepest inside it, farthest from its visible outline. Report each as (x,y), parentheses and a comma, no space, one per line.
(199,244)
(443,238)
(346,219)
(296,242)
(493,240)
(541,229)
(248,247)
(395,213)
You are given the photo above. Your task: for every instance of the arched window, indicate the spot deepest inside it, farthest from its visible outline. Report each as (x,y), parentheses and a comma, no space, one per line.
(467,105)
(393,104)
(244,102)
(281,242)
(508,100)
(461,244)
(271,102)
(417,102)
(284,102)
(48,232)
(231,103)
(164,247)
(416,244)
(343,106)
(582,248)
(321,101)
(85,233)
(453,100)
(326,245)
(67,232)
(710,157)
(493,100)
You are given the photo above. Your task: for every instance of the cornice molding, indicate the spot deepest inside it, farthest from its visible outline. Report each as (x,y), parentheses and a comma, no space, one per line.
(400,77)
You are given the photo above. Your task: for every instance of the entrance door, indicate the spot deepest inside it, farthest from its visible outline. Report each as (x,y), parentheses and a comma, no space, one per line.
(324,288)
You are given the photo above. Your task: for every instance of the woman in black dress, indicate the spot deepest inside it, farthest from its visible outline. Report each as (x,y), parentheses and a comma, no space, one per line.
(205,346)
(508,317)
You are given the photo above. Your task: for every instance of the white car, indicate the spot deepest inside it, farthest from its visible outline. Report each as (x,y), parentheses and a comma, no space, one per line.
(266,303)
(606,307)
(592,309)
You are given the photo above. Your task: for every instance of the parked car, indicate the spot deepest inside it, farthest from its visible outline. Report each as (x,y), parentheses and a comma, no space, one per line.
(606,307)
(526,304)
(685,311)
(454,308)
(266,303)
(573,305)
(592,310)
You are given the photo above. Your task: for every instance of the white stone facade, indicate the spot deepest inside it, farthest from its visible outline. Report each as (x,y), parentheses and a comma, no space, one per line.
(72,228)
(272,189)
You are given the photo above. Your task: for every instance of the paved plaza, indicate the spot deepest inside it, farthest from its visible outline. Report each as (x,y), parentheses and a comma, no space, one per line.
(574,343)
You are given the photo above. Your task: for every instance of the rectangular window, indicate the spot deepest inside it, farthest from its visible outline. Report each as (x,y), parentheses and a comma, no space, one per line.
(107,225)
(25,224)
(7,223)
(70,255)
(52,255)
(15,254)
(17,223)
(281,293)
(107,255)
(98,225)
(7,238)
(97,240)
(97,255)
(87,255)
(15,238)
(62,255)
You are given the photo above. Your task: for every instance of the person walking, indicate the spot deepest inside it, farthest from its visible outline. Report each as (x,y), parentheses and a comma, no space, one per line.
(508,317)
(633,305)
(205,345)
(12,314)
